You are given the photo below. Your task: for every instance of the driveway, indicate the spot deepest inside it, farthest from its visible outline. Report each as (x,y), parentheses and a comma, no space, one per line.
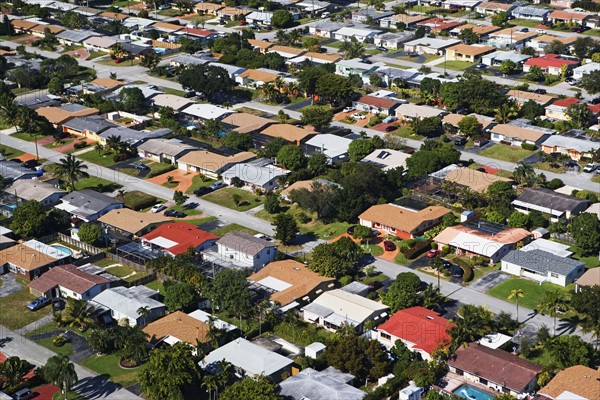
(297,106)
(488,281)
(419,263)
(183,179)
(532,159)
(9,285)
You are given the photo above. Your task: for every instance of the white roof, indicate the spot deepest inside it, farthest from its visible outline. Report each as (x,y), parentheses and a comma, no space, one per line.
(561,250)
(415,111)
(264,16)
(351,31)
(4,231)
(566,395)
(349,305)
(594,209)
(432,42)
(476,244)
(274,283)
(132,22)
(587,68)
(170,100)
(387,159)
(127,301)
(494,340)
(163,242)
(332,145)
(206,111)
(580,145)
(251,358)
(500,56)
(357,63)
(205,317)
(254,174)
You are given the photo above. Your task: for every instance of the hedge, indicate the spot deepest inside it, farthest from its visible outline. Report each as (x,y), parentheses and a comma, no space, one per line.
(137,200)
(528,146)
(418,249)
(467,270)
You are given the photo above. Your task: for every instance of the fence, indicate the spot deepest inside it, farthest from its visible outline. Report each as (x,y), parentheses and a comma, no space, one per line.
(83,246)
(89,260)
(563,237)
(129,263)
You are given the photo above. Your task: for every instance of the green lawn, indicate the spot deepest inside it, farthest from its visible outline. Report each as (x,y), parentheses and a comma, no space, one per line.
(157,168)
(97,184)
(506,153)
(456,65)
(533,291)
(156,285)
(546,166)
(14,313)
(314,226)
(64,350)
(96,54)
(187,211)
(129,171)
(172,91)
(596,179)
(302,334)
(428,58)
(524,22)
(199,221)
(198,181)
(120,271)
(224,197)
(27,136)
(224,230)
(58,143)
(104,159)
(109,364)
(112,63)
(372,249)
(592,32)
(137,200)
(10,152)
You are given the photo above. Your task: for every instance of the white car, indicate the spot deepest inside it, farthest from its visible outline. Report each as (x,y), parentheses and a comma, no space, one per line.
(590,168)
(358,116)
(348,109)
(158,208)
(541,31)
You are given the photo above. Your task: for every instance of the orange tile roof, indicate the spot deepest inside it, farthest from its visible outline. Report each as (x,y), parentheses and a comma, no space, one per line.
(470,50)
(479,30)
(52,28)
(114,15)
(288,49)
(166,25)
(178,325)
(107,82)
(257,75)
(57,116)
(581,380)
(332,58)
(22,24)
(402,218)
(184,234)
(210,161)
(518,132)
(131,221)
(288,132)
(567,15)
(67,276)
(25,257)
(260,43)
(476,180)
(245,122)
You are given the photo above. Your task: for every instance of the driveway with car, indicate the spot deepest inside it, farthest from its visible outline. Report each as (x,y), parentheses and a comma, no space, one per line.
(488,281)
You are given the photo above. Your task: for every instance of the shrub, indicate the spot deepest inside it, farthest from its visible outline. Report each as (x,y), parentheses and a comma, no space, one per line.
(467,270)
(303,218)
(59,340)
(555,184)
(528,146)
(137,200)
(418,249)
(445,249)
(80,145)
(346,280)
(411,242)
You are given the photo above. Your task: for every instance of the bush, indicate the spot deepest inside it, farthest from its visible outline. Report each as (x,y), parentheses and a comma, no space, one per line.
(445,250)
(418,249)
(467,270)
(137,200)
(80,145)
(346,280)
(59,340)
(555,184)
(303,218)
(528,146)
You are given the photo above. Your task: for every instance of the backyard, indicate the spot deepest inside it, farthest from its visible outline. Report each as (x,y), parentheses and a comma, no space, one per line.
(533,291)
(235,198)
(14,313)
(506,153)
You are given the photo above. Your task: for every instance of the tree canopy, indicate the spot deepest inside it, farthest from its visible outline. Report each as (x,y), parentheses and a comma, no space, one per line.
(206,79)
(229,292)
(251,389)
(585,229)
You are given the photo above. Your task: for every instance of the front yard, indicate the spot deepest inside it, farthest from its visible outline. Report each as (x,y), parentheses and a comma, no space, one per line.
(10,152)
(109,364)
(14,313)
(533,291)
(104,159)
(199,181)
(224,230)
(235,198)
(456,65)
(97,184)
(506,153)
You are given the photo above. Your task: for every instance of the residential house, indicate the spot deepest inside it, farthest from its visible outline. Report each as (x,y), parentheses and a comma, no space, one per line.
(376,105)
(568,17)
(473,179)
(542,266)
(390,74)
(427,45)
(361,34)
(39,100)
(229,13)
(177,238)
(260,45)
(249,359)
(42,192)
(591,277)
(549,246)
(460,4)
(540,43)
(289,283)
(68,281)
(482,238)
(130,223)
(482,31)
(177,327)
(593,22)
(164,150)
(247,251)
(410,21)
(254,78)
(59,115)
(247,123)
(562,3)
(308,185)
(74,37)
(516,135)
(166,27)
(286,51)
(531,13)
(259,173)
(87,127)
(313,7)
(522,97)
(210,162)
(88,205)
(87,11)
(205,8)
(292,133)
(5,242)
(356,66)
(182,60)
(114,15)
(585,69)
(205,111)
(575,147)
(12,171)
(199,35)
(411,392)
(261,17)
(134,51)
(594,209)
(512,38)
(576,382)
(177,103)
(334,147)
(438,25)
(124,304)
(410,111)
(41,29)
(497,369)
(498,57)
(327,384)
(393,41)
(557,205)
(454,119)
(492,7)
(137,23)
(365,15)
(326,29)
(422,331)
(387,159)
(30,259)
(552,64)
(402,222)
(467,52)
(314,59)
(132,136)
(23,25)
(336,308)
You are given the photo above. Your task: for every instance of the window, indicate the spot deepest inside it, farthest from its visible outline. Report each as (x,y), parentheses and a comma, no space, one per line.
(385,336)
(553,274)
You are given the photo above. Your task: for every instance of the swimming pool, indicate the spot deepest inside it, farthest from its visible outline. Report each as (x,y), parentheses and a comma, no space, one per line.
(64,249)
(159,50)
(469,392)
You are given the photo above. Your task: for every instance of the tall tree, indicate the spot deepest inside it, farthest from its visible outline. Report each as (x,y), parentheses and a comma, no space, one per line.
(516,294)
(551,302)
(70,170)
(585,229)
(61,372)
(259,388)
(286,227)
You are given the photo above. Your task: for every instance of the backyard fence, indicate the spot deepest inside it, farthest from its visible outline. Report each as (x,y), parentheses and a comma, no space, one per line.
(83,246)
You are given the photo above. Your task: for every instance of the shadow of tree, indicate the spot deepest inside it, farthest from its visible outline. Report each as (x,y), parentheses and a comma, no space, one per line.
(96,387)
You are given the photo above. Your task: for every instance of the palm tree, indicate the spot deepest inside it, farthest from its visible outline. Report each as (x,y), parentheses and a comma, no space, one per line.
(213,334)
(112,75)
(438,266)
(588,326)
(524,174)
(61,373)
(270,92)
(352,49)
(473,322)
(99,148)
(118,51)
(223,376)
(210,382)
(506,112)
(132,344)
(516,294)
(432,298)
(282,37)
(550,303)
(78,313)
(150,60)
(70,170)
(143,312)
(295,36)
(115,143)
(13,370)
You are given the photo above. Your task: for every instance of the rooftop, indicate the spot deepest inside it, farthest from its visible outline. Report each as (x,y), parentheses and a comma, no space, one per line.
(289,132)
(387,159)
(69,277)
(31,255)
(128,301)
(327,384)
(550,199)
(348,307)
(85,203)
(212,161)
(476,180)
(178,237)
(542,262)
(580,380)
(29,189)
(590,277)
(169,147)
(245,243)
(131,221)
(179,326)
(550,60)
(480,240)
(245,123)
(402,218)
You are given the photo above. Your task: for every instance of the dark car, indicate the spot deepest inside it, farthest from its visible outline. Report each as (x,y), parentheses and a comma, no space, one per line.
(140,166)
(38,303)
(388,245)
(540,91)
(391,128)
(460,141)
(30,164)
(456,271)
(189,94)
(595,101)
(174,213)
(202,191)
(350,230)
(447,264)
(384,49)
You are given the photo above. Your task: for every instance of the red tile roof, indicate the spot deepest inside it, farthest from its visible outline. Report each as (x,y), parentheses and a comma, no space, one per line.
(418,325)
(440,24)
(377,102)
(186,235)
(198,32)
(566,102)
(549,60)
(594,108)
(69,277)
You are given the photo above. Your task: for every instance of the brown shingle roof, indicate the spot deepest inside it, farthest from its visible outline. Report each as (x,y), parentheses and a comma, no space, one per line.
(591,277)
(476,180)
(114,15)
(301,279)
(454,119)
(288,132)
(479,30)
(179,325)
(518,132)
(581,380)
(550,38)
(208,6)
(377,102)
(245,122)
(471,50)
(401,218)
(69,277)
(523,96)
(212,161)
(257,75)
(259,43)
(107,82)
(131,221)
(492,5)
(52,28)
(22,24)
(288,49)
(567,15)
(57,116)
(332,58)
(25,257)
(166,25)
(498,366)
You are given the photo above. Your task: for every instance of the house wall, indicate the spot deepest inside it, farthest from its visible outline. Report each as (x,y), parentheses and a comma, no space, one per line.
(318,32)
(386,229)
(194,168)
(64,292)
(242,259)
(389,343)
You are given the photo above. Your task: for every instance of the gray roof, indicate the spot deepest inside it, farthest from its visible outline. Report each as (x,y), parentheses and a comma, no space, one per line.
(90,124)
(75,36)
(245,243)
(128,301)
(169,147)
(329,26)
(132,136)
(188,59)
(73,107)
(13,170)
(578,144)
(37,102)
(29,189)
(530,10)
(542,262)
(550,199)
(134,49)
(327,384)
(88,202)
(373,13)
(394,73)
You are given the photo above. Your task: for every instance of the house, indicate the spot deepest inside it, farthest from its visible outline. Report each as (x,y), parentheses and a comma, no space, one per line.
(542,266)
(204,111)
(199,35)
(130,223)
(438,25)
(23,25)
(74,37)
(314,58)
(540,43)
(12,171)
(498,57)
(247,123)
(402,222)
(205,8)
(376,105)
(229,13)
(594,209)
(177,327)
(410,21)
(31,259)
(313,7)
(164,150)
(454,119)
(254,78)
(346,33)
(87,127)
(336,308)
(124,303)
(513,38)
(292,133)
(326,29)
(411,111)
(516,135)
(585,69)
(575,147)
(482,31)
(411,392)
(497,369)
(178,237)
(552,64)
(568,17)
(114,15)
(88,205)
(393,40)
(232,70)
(166,27)
(137,23)
(135,51)
(421,330)
(562,3)
(522,97)
(259,173)
(289,283)
(87,11)
(41,29)
(45,193)
(132,136)
(576,382)
(177,103)
(468,52)
(59,115)
(308,185)
(183,60)
(531,13)
(362,16)
(356,66)
(391,75)
(327,384)
(427,45)
(482,238)
(39,100)
(591,277)
(460,4)
(260,17)
(557,205)
(473,179)
(387,159)
(260,45)
(334,147)
(210,162)
(249,359)
(247,251)
(68,281)
(492,7)
(286,51)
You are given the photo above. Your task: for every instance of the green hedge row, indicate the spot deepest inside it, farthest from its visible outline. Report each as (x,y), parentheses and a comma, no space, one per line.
(418,249)
(467,270)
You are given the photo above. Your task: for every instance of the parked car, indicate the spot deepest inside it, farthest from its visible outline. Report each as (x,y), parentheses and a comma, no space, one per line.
(23,394)
(140,166)
(590,168)
(358,116)
(218,185)
(541,31)
(460,141)
(456,271)
(158,208)
(30,164)
(174,213)
(222,22)
(595,101)
(242,23)
(432,253)
(350,230)
(58,304)
(388,245)
(540,91)
(348,109)
(384,49)
(481,142)
(325,15)
(481,66)
(390,128)
(189,95)
(38,303)
(524,29)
